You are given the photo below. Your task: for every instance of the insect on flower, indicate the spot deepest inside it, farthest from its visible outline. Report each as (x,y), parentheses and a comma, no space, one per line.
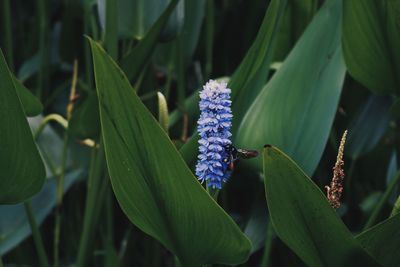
(217,155)
(234,154)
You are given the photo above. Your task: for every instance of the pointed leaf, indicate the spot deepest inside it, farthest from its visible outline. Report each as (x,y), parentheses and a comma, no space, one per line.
(152,183)
(295,110)
(303,218)
(22,171)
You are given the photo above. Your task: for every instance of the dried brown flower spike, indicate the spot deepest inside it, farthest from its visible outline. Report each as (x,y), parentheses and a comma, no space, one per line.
(335,190)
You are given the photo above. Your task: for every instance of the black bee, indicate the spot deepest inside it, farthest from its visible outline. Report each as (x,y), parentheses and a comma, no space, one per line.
(234,154)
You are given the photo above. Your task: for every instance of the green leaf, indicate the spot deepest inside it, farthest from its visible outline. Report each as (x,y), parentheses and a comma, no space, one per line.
(152,183)
(371,42)
(133,63)
(303,218)
(382,241)
(22,171)
(30,103)
(295,110)
(369,125)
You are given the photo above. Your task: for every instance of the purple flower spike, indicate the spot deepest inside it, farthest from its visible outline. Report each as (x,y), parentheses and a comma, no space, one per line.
(214,127)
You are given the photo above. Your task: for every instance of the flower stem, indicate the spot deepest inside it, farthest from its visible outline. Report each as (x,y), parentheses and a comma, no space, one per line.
(1,262)
(37,238)
(60,191)
(51,117)
(43,50)
(96,185)
(382,201)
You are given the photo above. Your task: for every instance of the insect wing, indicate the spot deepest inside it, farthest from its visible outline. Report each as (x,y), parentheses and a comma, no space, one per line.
(246,154)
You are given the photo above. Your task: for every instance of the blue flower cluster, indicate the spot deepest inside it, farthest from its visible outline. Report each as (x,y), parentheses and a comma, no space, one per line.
(214,127)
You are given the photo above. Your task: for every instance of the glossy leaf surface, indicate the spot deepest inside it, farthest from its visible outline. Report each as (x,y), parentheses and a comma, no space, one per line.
(295,110)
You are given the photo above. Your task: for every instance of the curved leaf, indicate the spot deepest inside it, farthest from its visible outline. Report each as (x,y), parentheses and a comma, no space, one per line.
(371,42)
(295,110)
(22,172)
(303,218)
(152,183)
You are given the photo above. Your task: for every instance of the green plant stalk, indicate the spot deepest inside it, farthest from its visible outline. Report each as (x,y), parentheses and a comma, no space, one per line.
(180,74)
(37,238)
(60,190)
(378,208)
(1,262)
(210,22)
(8,44)
(111,31)
(88,55)
(51,117)
(266,258)
(43,71)
(95,194)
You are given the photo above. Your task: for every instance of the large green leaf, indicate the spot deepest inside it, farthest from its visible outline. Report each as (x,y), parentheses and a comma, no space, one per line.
(382,241)
(22,171)
(303,218)
(152,183)
(371,42)
(295,110)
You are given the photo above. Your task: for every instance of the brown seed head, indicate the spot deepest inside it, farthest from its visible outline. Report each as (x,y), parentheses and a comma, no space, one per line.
(335,190)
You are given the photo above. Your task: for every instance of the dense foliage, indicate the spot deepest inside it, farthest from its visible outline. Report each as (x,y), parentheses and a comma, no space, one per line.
(129,131)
